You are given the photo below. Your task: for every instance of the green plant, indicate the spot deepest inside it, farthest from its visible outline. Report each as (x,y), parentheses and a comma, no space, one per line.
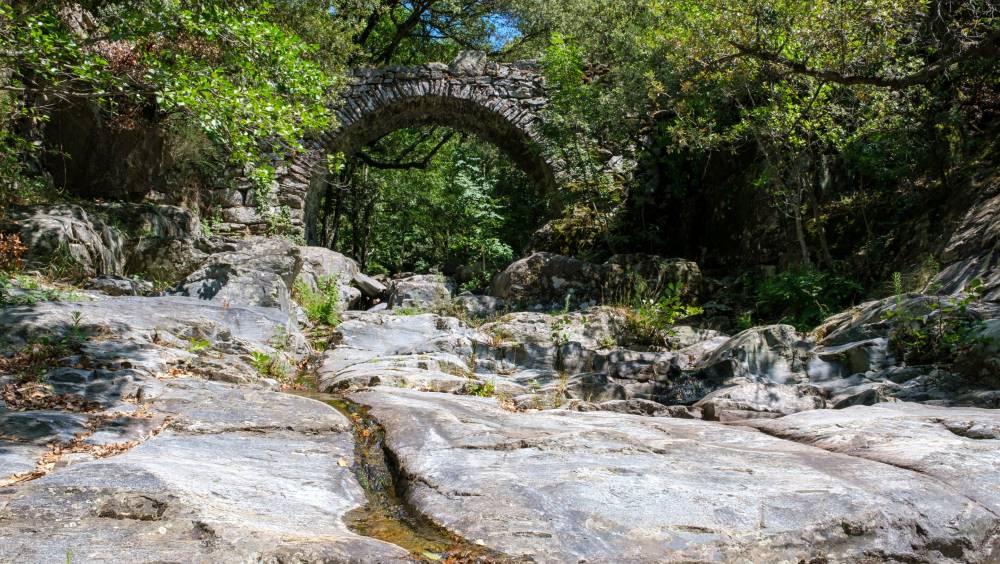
(322,305)
(804,296)
(607,342)
(408,310)
(267,365)
(941,330)
(75,334)
(649,320)
(745,321)
(483,389)
(63,266)
(195,346)
(897,285)
(5,285)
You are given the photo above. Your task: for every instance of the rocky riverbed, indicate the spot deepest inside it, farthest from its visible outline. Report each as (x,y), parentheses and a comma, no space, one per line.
(514,427)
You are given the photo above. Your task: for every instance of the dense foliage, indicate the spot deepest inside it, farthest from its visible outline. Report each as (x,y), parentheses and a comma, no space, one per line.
(844,117)
(236,71)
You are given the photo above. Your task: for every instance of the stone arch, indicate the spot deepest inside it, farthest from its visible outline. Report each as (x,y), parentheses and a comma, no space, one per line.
(498,102)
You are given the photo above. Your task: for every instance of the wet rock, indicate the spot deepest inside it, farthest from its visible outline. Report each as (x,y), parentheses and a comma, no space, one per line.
(612,487)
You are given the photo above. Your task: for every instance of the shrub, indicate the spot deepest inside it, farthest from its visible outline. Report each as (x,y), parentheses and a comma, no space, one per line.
(942,331)
(483,389)
(322,306)
(651,312)
(267,365)
(804,296)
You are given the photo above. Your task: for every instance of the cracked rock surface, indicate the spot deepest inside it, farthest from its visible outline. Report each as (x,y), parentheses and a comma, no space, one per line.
(237,475)
(152,464)
(562,486)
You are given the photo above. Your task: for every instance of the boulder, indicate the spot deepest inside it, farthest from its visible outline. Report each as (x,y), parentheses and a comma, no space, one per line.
(772,353)
(259,272)
(479,307)
(155,335)
(369,286)
(67,241)
(755,400)
(320,264)
(556,342)
(608,487)
(546,278)
(421,291)
(367,343)
(551,280)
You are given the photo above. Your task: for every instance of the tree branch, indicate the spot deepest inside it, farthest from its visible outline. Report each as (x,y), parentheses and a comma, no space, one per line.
(396,165)
(987,48)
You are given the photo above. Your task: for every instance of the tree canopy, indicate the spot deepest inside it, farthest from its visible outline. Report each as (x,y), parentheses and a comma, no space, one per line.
(824,106)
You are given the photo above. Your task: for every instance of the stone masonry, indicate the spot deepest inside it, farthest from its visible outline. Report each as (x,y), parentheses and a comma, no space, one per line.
(499,102)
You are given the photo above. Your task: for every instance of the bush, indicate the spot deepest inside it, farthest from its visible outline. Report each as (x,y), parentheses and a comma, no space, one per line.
(804,296)
(651,312)
(322,306)
(942,331)
(270,366)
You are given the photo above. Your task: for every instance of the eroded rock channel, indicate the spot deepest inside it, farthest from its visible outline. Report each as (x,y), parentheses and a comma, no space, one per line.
(386,515)
(475,428)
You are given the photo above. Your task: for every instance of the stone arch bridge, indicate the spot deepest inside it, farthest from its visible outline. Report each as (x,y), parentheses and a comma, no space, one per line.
(498,102)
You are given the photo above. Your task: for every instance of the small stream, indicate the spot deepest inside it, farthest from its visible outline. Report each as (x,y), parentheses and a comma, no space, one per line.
(387,516)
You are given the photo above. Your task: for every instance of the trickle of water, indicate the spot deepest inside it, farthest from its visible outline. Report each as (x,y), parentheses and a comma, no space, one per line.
(386,516)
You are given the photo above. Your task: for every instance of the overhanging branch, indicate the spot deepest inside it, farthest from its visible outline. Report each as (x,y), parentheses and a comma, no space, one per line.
(987,48)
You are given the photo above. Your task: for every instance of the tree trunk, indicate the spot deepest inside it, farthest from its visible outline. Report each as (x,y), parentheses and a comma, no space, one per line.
(800,232)
(337,212)
(824,182)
